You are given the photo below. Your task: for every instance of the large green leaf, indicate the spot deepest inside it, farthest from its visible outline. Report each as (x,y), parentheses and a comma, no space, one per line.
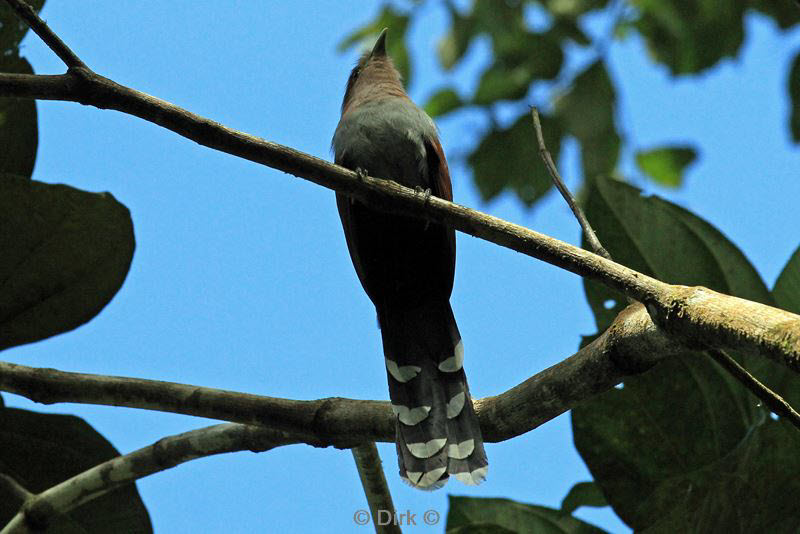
(64,253)
(691,36)
(474,515)
(666,165)
(754,488)
(663,240)
(508,158)
(787,287)
(660,446)
(19,134)
(39,451)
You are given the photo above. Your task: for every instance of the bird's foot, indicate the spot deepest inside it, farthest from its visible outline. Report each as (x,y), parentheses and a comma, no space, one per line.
(426,193)
(426,196)
(361,174)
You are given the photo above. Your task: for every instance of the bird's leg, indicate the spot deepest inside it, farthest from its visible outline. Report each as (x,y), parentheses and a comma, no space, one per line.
(361,174)
(426,197)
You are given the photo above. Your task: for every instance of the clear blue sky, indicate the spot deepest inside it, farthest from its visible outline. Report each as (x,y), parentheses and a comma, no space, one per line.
(241,278)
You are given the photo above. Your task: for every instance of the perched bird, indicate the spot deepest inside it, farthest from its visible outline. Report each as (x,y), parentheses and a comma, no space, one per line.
(406,267)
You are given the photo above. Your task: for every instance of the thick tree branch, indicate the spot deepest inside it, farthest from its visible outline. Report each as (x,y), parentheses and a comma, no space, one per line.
(630,346)
(40,510)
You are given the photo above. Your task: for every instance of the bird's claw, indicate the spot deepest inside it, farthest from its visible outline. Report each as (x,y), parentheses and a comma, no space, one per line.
(361,174)
(425,192)
(426,197)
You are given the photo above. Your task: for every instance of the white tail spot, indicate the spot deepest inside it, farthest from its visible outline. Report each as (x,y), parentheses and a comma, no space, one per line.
(410,416)
(474,478)
(402,374)
(455,405)
(459,451)
(426,480)
(454,362)
(426,450)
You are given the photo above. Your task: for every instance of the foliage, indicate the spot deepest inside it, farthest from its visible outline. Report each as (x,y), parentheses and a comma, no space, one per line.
(64,254)
(682,447)
(687,37)
(42,450)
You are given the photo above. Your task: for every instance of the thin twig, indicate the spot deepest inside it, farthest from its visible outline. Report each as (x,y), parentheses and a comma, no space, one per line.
(42,509)
(373,481)
(14,487)
(591,237)
(774,402)
(28,14)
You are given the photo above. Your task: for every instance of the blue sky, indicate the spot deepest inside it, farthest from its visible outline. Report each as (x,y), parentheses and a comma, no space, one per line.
(241,278)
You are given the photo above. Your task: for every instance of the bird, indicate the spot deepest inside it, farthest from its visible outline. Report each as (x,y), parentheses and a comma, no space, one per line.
(406,266)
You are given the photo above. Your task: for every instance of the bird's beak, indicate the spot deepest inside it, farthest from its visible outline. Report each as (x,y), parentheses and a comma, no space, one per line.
(380,45)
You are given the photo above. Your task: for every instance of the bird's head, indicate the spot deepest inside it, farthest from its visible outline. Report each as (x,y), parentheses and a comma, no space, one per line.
(374,77)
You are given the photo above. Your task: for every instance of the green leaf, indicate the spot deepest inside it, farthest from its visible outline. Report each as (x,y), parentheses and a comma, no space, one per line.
(13,28)
(443,102)
(539,53)
(667,447)
(785,14)
(454,44)
(787,287)
(583,494)
(794,98)
(587,110)
(19,133)
(573,8)
(499,83)
(755,488)
(660,239)
(468,514)
(568,28)
(689,37)
(665,165)
(64,253)
(397,22)
(588,106)
(508,159)
(39,451)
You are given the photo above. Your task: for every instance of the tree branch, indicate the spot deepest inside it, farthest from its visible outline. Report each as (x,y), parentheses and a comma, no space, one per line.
(40,510)
(699,317)
(776,403)
(551,167)
(692,314)
(373,481)
(28,14)
(632,345)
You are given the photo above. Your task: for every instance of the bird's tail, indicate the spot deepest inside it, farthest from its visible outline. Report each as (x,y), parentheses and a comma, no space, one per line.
(437,429)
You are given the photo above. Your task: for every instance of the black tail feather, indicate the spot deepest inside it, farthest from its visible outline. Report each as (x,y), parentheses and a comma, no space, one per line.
(437,430)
